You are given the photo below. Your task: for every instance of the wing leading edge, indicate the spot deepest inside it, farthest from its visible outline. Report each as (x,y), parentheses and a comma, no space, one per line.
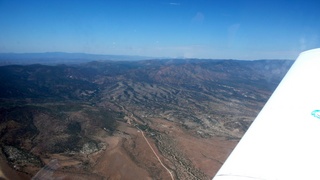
(283,141)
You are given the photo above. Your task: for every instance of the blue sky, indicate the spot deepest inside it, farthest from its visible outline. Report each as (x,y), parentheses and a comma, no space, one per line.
(233,29)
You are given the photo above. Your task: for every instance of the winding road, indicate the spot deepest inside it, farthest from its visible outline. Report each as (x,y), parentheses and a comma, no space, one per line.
(156,155)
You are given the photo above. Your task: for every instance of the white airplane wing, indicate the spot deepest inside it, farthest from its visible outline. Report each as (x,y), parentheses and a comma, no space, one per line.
(284,140)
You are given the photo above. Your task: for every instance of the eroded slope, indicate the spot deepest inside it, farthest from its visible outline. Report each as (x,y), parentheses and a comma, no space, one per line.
(88,121)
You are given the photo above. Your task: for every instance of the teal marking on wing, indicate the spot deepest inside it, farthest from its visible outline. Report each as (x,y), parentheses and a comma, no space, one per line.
(316,113)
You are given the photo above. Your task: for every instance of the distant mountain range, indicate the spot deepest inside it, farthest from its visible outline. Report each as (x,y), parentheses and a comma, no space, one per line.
(62,57)
(54,58)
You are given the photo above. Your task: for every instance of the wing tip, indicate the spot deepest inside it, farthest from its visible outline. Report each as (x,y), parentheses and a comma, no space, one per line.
(311,51)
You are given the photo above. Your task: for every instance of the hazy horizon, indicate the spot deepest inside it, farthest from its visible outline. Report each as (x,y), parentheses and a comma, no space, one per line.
(81,55)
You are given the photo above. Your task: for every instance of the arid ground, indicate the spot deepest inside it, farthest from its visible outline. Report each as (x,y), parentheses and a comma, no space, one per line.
(153,119)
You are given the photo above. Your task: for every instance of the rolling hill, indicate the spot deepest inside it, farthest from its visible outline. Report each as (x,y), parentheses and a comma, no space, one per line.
(89,117)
